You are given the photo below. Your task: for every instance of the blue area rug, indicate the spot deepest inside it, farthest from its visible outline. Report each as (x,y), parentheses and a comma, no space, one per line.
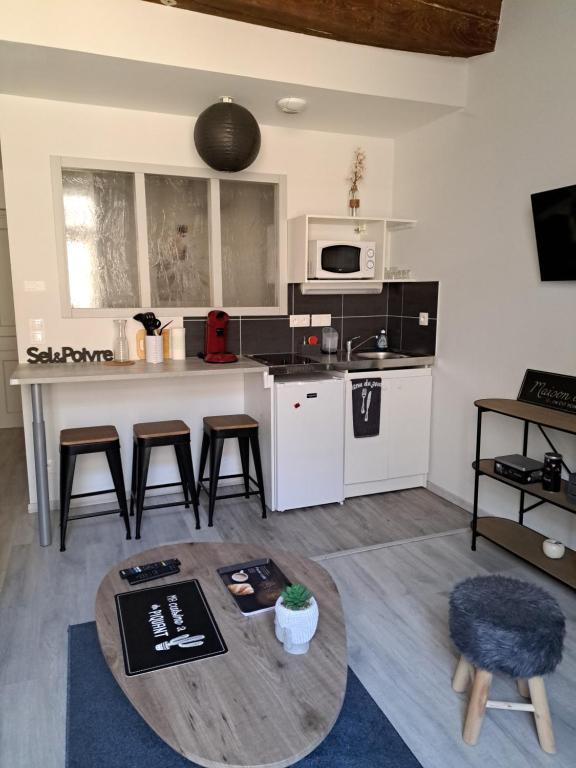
(103,730)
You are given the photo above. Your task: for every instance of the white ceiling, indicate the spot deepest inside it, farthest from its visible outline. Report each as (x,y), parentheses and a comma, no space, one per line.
(52,73)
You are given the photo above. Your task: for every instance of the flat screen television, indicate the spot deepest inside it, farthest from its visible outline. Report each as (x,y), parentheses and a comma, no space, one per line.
(554,214)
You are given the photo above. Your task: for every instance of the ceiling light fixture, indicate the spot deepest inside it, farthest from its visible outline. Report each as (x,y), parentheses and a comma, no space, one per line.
(168,2)
(292,105)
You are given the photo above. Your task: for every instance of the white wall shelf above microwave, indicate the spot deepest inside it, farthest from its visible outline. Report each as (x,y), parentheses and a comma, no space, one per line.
(308,227)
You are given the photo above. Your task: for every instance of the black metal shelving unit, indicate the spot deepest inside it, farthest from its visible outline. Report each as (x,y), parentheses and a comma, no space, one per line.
(514,536)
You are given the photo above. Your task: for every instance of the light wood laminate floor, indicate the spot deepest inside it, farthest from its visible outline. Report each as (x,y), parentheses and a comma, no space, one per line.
(395,600)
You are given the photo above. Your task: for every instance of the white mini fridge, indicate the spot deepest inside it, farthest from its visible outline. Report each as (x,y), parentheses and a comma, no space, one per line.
(309,441)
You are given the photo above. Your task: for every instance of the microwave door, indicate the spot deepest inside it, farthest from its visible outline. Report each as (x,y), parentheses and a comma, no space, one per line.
(341,259)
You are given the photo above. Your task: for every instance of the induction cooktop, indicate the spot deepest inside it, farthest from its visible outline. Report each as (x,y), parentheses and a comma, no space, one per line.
(282,358)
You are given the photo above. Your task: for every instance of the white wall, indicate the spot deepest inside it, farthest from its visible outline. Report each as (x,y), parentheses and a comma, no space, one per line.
(31,130)
(467,179)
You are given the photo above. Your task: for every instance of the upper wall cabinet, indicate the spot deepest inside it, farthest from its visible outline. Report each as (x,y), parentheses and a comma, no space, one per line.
(308,234)
(170,239)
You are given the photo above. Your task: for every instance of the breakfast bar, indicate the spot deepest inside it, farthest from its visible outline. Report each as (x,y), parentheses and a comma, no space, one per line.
(38,376)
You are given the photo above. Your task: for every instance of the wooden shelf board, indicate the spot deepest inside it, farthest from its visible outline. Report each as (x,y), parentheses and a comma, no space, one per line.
(527,544)
(559,499)
(536,414)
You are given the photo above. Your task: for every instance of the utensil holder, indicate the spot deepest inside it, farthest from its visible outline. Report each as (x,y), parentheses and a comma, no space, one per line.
(154,349)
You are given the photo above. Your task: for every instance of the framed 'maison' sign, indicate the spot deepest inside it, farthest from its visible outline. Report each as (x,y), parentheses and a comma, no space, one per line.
(551,390)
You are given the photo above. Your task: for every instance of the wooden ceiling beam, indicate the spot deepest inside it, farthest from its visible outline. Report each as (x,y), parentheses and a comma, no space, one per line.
(444,27)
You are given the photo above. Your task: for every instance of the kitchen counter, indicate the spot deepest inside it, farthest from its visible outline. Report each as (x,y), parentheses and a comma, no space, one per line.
(76,373)
(312,360)
(68,405)
(339,362)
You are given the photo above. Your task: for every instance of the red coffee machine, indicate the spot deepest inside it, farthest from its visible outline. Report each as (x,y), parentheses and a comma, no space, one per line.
(215,338)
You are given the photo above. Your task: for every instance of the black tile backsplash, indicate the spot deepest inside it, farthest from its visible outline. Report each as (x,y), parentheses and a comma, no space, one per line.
(363,327)
(308,305)
(395,299)
(356,304)
(418,339)
(420,297)
(269,335)
(394,332)
(396,309)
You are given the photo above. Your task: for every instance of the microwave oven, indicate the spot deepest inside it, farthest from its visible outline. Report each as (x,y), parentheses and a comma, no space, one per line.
(341,259)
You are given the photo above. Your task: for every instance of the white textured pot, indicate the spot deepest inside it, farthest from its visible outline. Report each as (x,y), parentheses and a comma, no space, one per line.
(295,629)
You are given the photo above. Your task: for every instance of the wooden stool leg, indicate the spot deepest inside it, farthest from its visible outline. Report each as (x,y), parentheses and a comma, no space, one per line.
(255,445)
(203,458)
(134,483)
(244,445)
(477,706)
(216,447)
(462,676)
(67,465)
(182,472)
(542,714)
(143,459)
(523,689)
(115,463)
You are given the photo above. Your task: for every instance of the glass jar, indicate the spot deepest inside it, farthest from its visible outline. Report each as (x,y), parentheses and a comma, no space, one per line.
(121,349)
(329,340)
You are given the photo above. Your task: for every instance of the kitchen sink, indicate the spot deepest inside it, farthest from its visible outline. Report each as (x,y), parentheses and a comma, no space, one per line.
(378,355)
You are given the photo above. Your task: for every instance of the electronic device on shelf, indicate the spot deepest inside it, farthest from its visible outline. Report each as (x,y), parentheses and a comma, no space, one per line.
(519,468)
(339,259)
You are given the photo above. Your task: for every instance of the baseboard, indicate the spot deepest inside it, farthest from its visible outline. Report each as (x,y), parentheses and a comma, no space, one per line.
(466,505)
(383,486)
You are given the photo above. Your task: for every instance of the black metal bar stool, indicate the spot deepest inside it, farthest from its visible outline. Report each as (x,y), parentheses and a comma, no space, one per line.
(216,430)
(74,442)
(152,435)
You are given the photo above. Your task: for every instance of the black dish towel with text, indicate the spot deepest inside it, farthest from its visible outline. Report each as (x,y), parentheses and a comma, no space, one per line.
(366,407)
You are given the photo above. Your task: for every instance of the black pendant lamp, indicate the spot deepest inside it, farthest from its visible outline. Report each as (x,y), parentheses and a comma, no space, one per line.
(227,136)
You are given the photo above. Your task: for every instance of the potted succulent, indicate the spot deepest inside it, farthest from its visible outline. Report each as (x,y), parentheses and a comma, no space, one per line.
(296,618)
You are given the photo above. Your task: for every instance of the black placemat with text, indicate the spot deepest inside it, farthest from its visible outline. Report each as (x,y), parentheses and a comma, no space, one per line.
(166,625)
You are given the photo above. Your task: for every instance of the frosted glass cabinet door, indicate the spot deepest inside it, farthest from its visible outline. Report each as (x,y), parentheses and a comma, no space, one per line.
(100,231)
(249,243)
(178,251)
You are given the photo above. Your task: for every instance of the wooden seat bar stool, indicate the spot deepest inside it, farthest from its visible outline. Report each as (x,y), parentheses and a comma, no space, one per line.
(154,434)
(74,442)
(216,430)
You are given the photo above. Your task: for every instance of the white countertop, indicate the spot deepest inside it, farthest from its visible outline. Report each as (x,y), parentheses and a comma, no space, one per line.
(75,373)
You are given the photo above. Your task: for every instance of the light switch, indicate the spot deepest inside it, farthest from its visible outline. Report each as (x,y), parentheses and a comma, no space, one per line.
(321,321)
(423,318)
(299,321)
(36,323)
(37,337)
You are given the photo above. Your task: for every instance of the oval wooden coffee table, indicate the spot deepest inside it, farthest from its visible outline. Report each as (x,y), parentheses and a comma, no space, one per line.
(255,705)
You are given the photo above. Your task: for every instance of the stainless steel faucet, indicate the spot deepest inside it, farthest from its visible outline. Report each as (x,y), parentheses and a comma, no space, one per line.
(350,348)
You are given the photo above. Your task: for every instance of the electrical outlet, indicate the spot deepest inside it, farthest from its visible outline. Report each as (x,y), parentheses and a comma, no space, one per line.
(423,318)
(37,337)
(321,321)
(34,286)
(299,321)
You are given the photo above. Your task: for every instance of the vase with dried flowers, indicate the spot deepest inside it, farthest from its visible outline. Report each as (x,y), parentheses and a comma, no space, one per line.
(356,175)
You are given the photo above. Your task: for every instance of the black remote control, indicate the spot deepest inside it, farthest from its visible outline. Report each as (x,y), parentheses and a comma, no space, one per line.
(156,573)
(125,573)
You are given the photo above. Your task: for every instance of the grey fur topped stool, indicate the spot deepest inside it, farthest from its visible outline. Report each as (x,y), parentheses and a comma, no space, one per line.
(505,625)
